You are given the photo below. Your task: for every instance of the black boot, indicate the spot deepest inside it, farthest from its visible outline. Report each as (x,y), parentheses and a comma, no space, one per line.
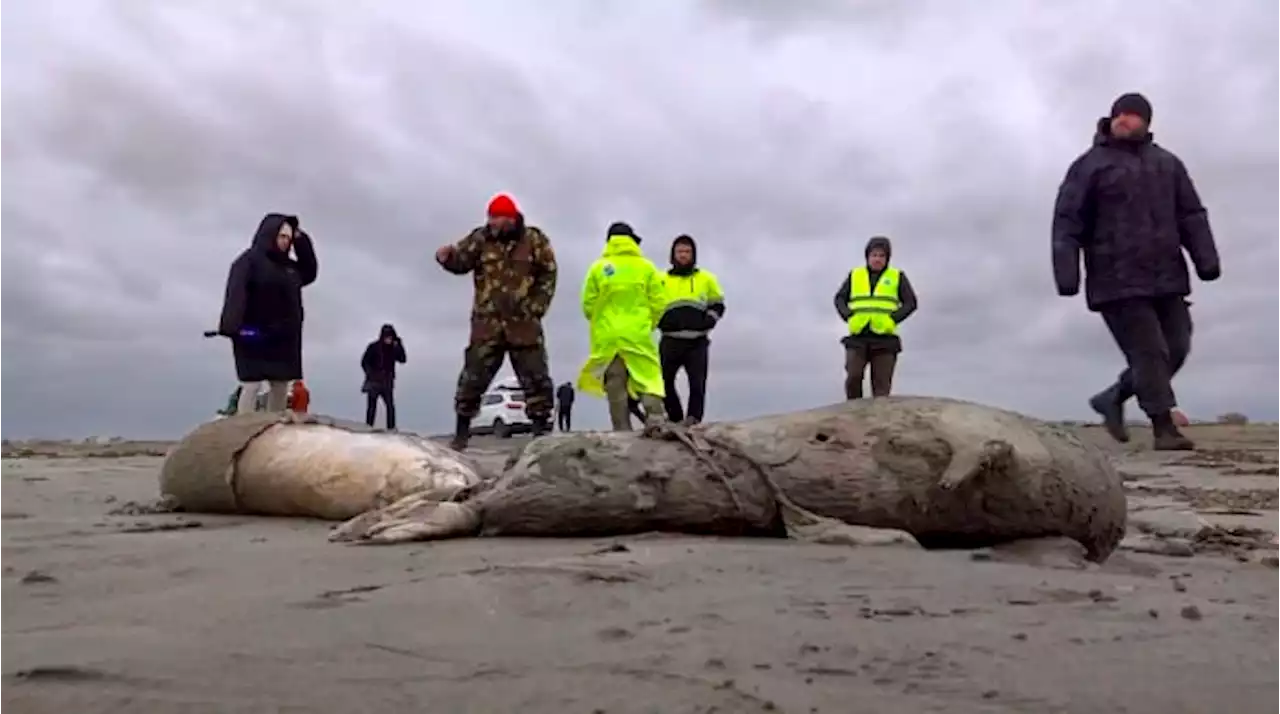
(461,434)
(1111,409)
(541,427)
(1166,437)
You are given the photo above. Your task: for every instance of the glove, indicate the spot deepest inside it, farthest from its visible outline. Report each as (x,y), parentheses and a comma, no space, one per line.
(251,334)
(1209,275)
(1068,290)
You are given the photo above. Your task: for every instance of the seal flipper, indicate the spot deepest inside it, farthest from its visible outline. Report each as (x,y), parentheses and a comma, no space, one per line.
(968,461)
(417,517)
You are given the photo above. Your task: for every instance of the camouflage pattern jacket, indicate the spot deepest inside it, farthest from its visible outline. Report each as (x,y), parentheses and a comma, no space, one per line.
(515,280)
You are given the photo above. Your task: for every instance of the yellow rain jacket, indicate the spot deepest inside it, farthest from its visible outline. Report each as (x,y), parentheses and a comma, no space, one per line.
(623,299)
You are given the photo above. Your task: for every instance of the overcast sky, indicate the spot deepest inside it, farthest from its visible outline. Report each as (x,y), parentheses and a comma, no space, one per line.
(143,141)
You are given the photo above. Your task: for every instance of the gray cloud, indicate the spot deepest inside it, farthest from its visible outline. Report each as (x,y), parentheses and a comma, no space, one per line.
(143,142)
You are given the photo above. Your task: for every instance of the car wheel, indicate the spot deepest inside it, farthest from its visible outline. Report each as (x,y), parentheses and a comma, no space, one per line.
(501,430)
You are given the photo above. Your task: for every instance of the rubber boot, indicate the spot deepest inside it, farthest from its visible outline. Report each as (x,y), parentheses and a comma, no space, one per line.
(541,427)
(1166,437)
(655,412)
(461,434)
(615,391)
(1111,409)
(619,415)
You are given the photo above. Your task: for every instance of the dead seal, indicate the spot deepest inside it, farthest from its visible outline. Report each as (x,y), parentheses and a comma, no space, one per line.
(288,464)
(952,474)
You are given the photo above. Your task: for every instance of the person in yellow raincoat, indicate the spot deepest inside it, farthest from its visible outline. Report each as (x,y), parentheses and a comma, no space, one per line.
(622,299)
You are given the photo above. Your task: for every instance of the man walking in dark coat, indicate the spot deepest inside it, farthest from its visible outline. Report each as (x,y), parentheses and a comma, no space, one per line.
(262,309)
(1129,206)
(513,269)
(873,300)
(379,365)
(564,407)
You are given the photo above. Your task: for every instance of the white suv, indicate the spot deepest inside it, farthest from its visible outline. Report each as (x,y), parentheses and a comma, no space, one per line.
(502,414)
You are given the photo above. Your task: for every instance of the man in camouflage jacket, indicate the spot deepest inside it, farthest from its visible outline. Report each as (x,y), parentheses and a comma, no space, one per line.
(514,271)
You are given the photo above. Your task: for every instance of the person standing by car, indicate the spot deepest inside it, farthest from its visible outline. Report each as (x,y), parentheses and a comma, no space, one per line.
(622,299)
(514,272)
(564,407)
(1129,206)
(262,309)
(873,300)
(379,365)
(694,306)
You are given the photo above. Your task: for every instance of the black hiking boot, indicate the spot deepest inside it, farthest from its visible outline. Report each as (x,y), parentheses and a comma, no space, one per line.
(461,434)
(1111,410)
(1166,437)
(541,427)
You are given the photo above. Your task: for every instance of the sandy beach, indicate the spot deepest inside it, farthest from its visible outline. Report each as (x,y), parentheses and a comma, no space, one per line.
(108,610)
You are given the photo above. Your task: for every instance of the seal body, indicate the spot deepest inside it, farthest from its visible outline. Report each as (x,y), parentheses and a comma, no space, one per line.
(290,464)
(950,473)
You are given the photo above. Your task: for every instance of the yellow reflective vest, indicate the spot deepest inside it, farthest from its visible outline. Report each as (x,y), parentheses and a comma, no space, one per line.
(873,308)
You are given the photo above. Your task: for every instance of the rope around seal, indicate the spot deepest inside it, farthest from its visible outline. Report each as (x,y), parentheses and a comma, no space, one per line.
(701,445)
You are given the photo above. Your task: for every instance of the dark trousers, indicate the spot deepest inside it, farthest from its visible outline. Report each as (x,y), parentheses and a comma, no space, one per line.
(388,397)
(481,364)
(882,361)
(691,356)
(564,417)
(1155,336)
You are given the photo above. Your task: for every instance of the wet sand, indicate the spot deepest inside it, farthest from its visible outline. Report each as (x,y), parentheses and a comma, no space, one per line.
(192,613)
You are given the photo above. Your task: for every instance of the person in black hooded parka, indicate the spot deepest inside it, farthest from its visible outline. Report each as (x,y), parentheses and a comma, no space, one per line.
(1129,206)
(379,365)
(262,310)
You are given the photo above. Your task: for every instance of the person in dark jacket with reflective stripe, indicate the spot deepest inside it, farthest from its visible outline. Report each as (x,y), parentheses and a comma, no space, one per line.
(873,300)
(1130,208)
(262,309)
(694,306)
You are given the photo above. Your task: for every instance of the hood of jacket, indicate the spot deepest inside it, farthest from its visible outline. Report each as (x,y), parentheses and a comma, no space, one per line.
(388,330)
(883,244)
(264,239)
(621,245)
(692,267)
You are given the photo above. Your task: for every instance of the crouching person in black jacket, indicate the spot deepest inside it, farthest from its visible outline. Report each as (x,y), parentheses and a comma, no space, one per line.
(379,365)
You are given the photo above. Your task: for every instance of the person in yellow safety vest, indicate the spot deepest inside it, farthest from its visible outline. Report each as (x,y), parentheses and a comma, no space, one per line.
(694,305)
(873,300)
(622,300)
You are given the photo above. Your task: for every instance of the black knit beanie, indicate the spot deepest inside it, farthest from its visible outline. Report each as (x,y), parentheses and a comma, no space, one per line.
(1132,103)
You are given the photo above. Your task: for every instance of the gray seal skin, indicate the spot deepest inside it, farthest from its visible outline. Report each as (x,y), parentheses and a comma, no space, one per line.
(288,464)
(952,474)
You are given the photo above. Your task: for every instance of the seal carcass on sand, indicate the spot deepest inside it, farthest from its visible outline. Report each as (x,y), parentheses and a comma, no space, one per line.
(950,473)
(291,464)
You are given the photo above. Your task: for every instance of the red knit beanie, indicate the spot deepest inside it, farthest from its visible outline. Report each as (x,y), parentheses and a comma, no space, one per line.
(503,206)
